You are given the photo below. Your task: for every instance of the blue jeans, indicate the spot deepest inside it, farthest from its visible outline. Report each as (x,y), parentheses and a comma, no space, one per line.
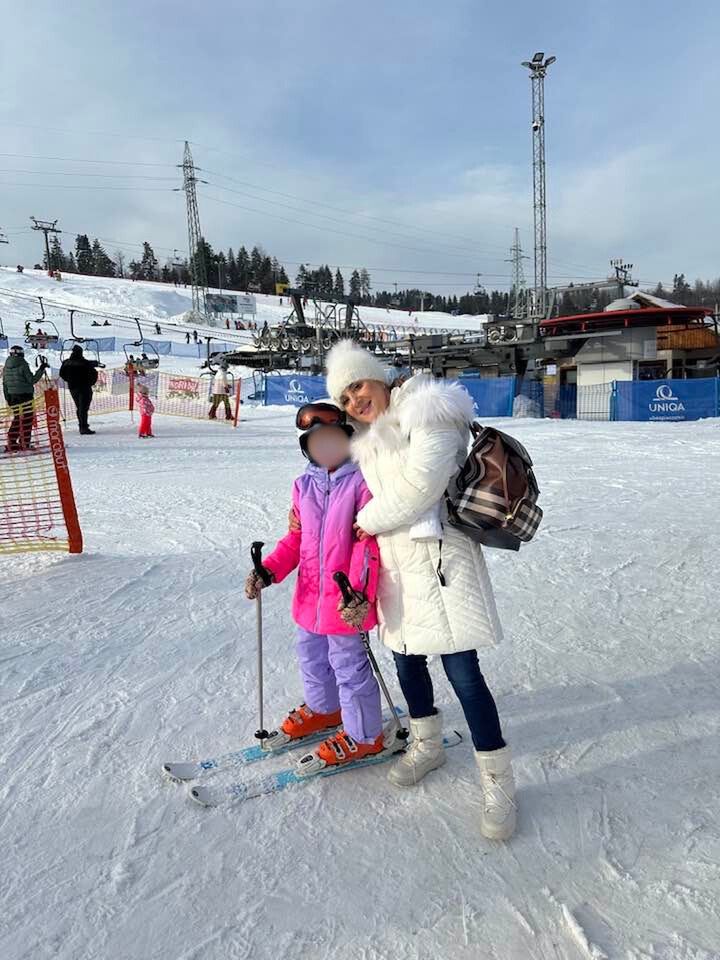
(463,672)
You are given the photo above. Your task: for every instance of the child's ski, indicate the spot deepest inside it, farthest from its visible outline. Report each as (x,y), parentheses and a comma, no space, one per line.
(193,769)
(232,793)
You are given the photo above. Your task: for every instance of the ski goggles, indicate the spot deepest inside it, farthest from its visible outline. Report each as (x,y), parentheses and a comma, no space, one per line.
(319,414)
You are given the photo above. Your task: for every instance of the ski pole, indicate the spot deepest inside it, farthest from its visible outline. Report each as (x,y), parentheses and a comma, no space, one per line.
(256,555)
(348,594)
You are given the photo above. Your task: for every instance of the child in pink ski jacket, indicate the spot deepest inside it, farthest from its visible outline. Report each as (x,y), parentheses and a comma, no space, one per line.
(338,681)
(147,409)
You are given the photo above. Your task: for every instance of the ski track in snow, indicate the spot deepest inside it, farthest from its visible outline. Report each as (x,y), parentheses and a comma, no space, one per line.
(143,650)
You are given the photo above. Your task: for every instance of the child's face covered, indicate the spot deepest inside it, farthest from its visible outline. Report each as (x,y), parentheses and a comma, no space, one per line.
(329,447)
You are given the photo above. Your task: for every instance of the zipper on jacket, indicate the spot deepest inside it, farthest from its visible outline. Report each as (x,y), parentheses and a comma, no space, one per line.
(394,556)
(321,578)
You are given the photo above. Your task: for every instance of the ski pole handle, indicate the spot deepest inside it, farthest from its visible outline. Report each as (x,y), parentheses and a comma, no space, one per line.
(348,594)
(256,554)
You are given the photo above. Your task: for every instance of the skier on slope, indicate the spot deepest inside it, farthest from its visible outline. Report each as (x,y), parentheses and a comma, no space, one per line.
(337,678)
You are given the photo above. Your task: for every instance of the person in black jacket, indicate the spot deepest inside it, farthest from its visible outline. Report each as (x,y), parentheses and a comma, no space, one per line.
(80,375)
(18,388)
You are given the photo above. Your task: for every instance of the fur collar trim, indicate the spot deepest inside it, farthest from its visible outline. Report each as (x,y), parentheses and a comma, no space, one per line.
(421,402)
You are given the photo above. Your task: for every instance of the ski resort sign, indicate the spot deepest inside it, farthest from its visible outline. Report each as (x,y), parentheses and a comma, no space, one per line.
(666,399)
(295,390)
(665,405)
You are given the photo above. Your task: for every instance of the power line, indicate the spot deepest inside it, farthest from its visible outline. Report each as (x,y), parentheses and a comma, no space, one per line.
(89,133)
(129,163)
(325,216)
(317,226)
(82,186)
(75,173)
(367,216)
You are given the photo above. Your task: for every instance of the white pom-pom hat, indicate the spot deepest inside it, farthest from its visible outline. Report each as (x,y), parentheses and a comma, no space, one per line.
(347,363)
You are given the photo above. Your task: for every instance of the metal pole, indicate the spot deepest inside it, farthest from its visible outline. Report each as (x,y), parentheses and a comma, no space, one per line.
(347,593)
(256,553)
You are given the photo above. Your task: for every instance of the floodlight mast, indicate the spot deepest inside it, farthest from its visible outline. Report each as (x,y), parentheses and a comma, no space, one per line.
(538,69)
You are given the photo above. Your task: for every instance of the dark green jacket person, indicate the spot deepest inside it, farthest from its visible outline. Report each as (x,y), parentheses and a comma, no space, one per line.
(18,379)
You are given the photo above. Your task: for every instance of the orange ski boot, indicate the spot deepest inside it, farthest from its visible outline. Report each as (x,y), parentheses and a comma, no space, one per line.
(302,723)
(342,748)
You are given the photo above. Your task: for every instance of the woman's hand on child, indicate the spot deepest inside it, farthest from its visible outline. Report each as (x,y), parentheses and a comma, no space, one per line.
(354,614)
(253,585)
(294,525)
(359,532)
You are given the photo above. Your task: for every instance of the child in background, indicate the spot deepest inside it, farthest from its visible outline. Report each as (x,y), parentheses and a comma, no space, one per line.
(146,408)
(338,681)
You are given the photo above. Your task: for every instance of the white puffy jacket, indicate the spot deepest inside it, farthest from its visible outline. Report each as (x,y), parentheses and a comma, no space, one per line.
(220,382)
(408,457)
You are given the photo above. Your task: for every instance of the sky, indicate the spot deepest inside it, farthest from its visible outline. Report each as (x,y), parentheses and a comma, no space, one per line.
(389,134)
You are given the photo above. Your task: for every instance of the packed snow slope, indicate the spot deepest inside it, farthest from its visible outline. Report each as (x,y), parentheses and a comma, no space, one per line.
(160,302)
(143,650)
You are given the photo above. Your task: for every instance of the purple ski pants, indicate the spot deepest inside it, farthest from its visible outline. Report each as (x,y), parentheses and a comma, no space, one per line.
(336,674)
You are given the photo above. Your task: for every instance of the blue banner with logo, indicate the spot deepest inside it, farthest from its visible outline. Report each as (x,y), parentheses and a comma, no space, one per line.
(295,390)
(665,399)
(493,396)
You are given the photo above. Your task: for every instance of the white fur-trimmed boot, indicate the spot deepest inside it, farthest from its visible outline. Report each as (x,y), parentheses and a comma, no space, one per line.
(425,752)
(498,787)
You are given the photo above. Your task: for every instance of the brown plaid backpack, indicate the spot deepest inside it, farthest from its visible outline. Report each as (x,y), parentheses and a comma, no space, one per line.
(494,496)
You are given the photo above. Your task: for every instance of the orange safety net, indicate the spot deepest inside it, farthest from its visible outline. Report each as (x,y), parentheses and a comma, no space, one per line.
(172,394)
(37,506)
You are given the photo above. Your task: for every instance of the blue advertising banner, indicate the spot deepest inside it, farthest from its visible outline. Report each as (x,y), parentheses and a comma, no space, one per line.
(665,399)
(295,390)
(493,396)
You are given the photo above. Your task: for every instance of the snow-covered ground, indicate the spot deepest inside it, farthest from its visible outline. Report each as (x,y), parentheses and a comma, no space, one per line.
(143,650)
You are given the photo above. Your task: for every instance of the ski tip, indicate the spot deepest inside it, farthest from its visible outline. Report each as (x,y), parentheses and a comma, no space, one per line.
(180,771)
(203,796)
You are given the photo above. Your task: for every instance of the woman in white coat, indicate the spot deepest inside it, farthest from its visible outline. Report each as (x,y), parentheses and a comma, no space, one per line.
(220,390)
(434,595)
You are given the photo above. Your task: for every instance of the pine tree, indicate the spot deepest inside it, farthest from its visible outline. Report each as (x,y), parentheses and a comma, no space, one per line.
(232,271)
(102,264)
(339,285)
(256,268)
(681,289)
(84,255)
(70,264)
(243,268)
(355,289)
(365,286)
(148,264)
(57,257)
(221,271)
(120,263)
(301,277)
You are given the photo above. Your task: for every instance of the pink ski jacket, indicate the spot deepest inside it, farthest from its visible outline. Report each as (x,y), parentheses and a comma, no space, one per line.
(327,504)
(145,404)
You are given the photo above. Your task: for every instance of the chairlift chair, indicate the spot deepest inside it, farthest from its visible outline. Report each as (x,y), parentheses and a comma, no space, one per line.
(147,361)
(87,343)
(41,338)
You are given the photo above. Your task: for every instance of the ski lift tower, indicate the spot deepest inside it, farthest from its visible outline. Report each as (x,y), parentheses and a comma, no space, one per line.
(198,277)
(518,305)
(538,69)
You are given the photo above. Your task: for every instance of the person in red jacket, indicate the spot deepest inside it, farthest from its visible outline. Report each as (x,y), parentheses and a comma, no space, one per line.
(147,409)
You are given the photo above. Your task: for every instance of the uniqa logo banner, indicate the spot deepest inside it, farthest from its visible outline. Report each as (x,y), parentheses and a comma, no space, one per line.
(666,399)
(294,390)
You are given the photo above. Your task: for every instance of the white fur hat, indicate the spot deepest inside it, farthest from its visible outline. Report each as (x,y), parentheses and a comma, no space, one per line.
(348,362)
